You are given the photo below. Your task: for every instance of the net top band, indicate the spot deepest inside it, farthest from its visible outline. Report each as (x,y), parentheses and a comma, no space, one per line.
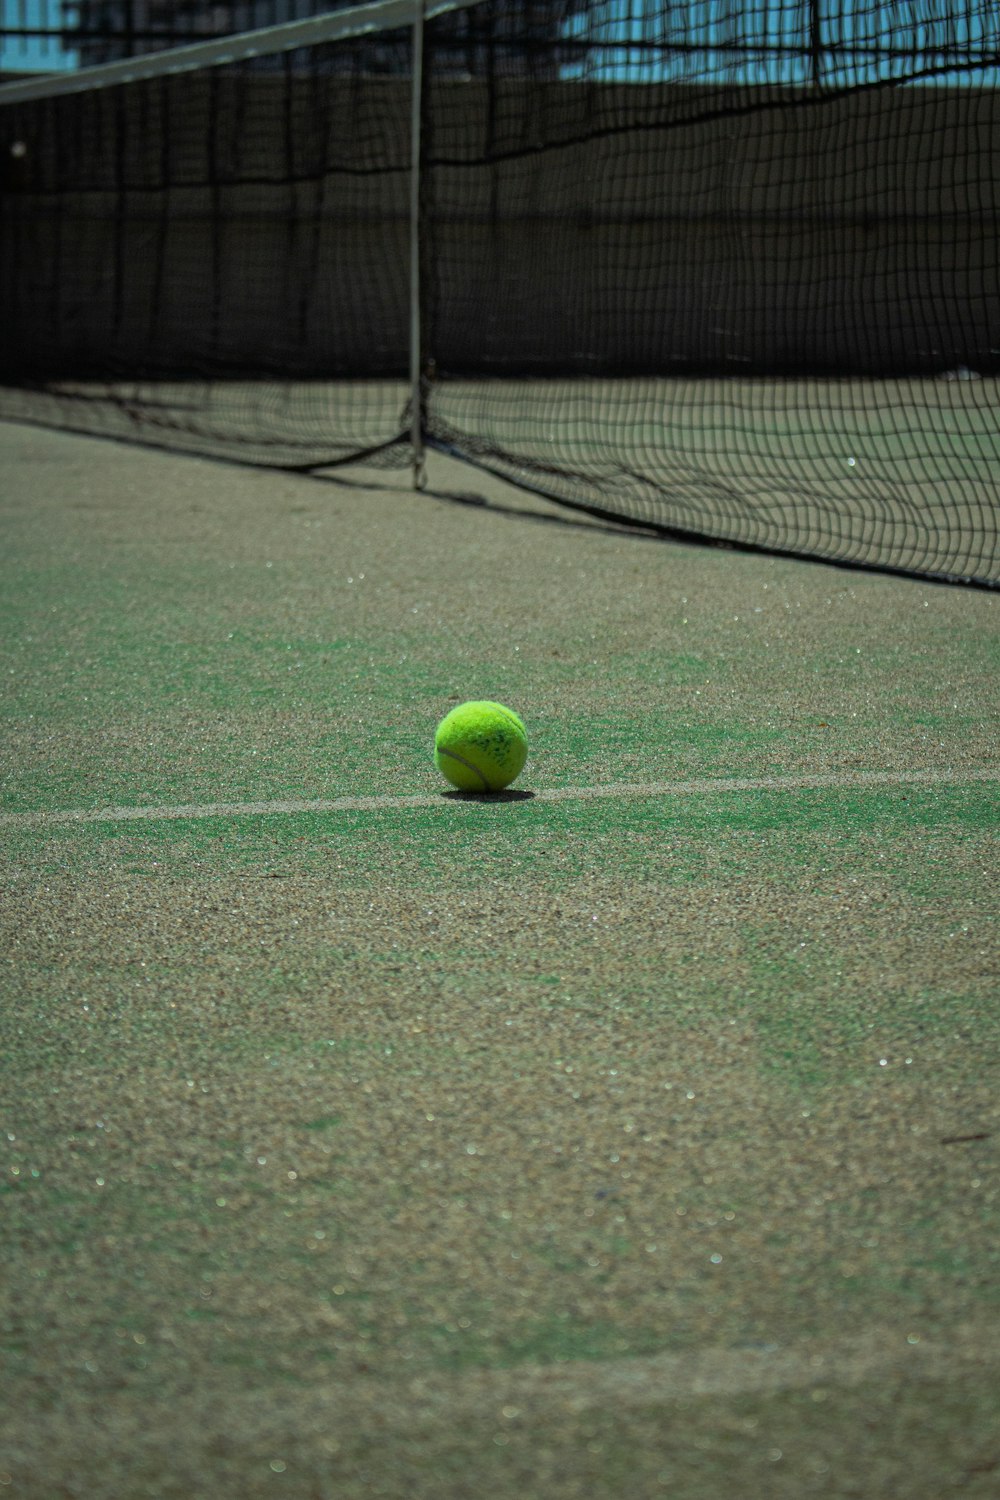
(267,41)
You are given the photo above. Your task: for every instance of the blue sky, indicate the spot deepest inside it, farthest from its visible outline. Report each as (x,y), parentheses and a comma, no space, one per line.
(26,56)
(767,41)
(883,33)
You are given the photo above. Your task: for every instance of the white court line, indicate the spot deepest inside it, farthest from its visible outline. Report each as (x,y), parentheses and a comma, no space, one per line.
(877,1353)
(903,1362)
(707,786)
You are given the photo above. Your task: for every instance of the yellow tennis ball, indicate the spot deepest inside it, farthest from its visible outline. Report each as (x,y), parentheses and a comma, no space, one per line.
(480,747)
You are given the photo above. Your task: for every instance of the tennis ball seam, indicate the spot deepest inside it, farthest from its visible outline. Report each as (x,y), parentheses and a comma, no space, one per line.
(493,739)
(512,718)
(468,764)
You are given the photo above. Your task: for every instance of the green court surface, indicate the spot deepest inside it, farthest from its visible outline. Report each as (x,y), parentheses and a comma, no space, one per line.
(857,470)
(630,1134)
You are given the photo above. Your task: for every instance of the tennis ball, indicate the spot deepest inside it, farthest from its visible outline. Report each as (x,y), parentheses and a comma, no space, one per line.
(480,747)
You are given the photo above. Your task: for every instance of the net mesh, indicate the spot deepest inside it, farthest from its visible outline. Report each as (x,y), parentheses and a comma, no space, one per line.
(728,271)
(216,259)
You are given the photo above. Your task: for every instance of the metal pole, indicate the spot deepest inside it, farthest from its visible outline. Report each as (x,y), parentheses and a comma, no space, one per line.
(815,46)
(416,352)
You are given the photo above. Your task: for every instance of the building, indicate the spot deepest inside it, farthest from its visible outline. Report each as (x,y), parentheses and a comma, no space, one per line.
(518,42)
(103,31)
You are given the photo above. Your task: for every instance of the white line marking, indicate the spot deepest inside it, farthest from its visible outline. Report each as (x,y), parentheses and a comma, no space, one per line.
(907,1366)
(876,1353)
(704,787)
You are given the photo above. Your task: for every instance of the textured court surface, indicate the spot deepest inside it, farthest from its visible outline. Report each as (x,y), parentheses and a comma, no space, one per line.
(631,1134)
(897,473)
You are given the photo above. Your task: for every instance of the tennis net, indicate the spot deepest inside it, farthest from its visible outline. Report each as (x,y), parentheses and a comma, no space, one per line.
(729,272)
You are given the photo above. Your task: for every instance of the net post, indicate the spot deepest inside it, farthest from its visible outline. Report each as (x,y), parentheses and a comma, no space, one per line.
(815,46)
(416,335)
